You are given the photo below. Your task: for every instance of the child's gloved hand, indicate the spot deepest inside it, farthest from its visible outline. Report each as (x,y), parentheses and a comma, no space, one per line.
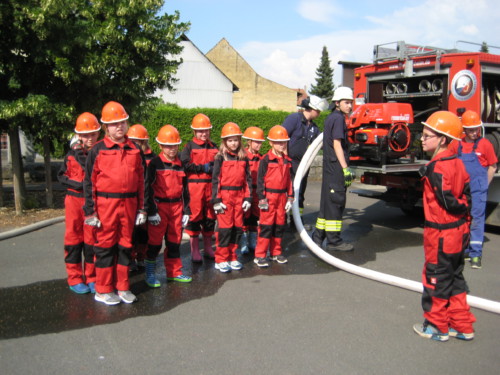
(155,219)
(246,206)
(141,218)
(288,204)
(264,204)
(219,208)
(93,221)
(185,220)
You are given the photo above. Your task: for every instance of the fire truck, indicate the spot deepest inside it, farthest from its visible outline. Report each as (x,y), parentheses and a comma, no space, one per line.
(400,89)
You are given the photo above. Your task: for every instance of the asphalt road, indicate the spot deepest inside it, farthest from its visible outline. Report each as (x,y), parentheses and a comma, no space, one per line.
(304,317)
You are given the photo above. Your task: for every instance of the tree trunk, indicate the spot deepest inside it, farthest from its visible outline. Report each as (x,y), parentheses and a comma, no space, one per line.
(49,194)
(17,170)
(1,177)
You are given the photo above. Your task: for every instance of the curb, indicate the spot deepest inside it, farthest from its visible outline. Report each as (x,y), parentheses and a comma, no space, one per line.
(30,228)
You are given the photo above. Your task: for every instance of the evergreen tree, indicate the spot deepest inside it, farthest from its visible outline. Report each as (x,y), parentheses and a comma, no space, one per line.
(324,78)
(484,47)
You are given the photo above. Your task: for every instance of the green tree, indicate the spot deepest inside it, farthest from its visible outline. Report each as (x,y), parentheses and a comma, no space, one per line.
(484,47)
(324,77)
(60,58)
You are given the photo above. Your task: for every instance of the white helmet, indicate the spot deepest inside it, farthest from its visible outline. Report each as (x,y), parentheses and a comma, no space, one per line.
(342,93)
(318,103)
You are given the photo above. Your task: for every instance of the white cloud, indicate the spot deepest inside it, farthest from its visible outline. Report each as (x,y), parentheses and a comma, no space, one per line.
(317,10)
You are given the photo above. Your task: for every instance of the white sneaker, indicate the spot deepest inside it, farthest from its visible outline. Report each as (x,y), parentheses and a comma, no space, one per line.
(235,265)
(223,267)
(127,296)
(107,298)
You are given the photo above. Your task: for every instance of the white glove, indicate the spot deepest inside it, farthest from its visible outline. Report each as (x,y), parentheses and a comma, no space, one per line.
(264,204)
(141,218)
(288,205)
(155,219)
(219,208)
(185,220)
(246,206)
(93,221)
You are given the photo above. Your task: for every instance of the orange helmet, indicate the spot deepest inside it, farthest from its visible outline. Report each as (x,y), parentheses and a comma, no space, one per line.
(113,112)
(168,136)
(278,134)
(87,123)
(470,119)
(254,133)
(445,123)
(201,122)
(138,131)
(230,130)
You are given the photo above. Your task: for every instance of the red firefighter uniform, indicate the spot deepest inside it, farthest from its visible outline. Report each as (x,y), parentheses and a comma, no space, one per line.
(166,194)
(446,233)
(274,183)
(140,235)
(251,217)
(198,158)
(231,184)
(114,190)
(77,237)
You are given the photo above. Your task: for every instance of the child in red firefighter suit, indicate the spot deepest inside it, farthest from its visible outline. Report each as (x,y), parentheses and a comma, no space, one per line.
(198,161)
(78,237)
(255,138)
(231,184)
(446,232)
(114,202)
(274,188)
(480,160)
(139,135)
(167,205)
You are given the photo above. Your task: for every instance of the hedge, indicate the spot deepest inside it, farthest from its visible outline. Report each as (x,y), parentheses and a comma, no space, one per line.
(181,119)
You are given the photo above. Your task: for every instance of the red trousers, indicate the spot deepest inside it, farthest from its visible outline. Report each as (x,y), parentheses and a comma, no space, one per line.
(444,299)
(230,226)
(170,228)
(271,226)
(78,239)
(114,242)
(202,219)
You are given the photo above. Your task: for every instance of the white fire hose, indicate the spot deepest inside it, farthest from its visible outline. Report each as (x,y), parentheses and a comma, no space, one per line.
(312,151)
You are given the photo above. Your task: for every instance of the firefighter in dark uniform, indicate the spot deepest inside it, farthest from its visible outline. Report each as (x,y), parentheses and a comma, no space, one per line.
(336,174)
(302,131)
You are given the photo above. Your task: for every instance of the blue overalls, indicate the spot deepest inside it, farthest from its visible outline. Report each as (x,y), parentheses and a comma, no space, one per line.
(479,192)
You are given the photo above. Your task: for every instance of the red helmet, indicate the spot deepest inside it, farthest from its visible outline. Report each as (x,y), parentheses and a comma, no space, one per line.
(471,119)
(230,130)
(201,122)
(278,134)
(168,136)
(113,112)
(254,133)
(138,131)
(445,123)
(87,123)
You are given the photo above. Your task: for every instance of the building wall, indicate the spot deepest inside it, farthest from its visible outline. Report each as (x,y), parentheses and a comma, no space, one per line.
(200,83)
(254,91)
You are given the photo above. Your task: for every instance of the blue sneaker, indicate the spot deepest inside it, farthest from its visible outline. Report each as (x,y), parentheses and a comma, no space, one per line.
(80,288)
(429,331)
(91,287)
(460,335)
(181,279)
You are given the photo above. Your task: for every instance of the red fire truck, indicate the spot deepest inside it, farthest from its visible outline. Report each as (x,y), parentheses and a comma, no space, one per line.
(403,86)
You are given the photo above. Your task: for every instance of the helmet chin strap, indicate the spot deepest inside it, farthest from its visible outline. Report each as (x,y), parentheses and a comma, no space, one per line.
(438,149)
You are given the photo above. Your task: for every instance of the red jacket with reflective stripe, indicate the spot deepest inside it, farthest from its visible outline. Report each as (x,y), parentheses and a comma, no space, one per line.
(232,174)
(113,168)
(274,173)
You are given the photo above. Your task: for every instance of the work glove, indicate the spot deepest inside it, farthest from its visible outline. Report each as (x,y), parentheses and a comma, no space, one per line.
(141,218)
(288,204)
(246,206)
(208,167)
(219,208)
(264,204)
(185,220)
(155,219)
(93,221)
(348,176)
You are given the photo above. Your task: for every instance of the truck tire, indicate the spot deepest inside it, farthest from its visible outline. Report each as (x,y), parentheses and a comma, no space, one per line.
(494,138)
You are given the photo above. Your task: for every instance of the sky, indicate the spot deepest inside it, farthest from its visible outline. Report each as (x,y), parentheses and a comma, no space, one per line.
(283,39)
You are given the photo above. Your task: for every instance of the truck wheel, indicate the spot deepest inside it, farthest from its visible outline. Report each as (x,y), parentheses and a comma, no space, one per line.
(494,138)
